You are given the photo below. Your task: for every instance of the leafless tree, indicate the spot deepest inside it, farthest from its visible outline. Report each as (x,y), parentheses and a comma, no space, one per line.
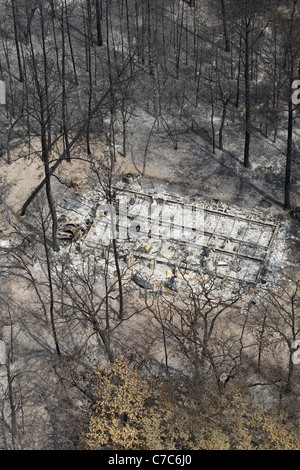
(280,320)
(192,319)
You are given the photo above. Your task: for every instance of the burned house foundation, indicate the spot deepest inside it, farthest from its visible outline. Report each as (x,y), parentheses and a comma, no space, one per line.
(158,234)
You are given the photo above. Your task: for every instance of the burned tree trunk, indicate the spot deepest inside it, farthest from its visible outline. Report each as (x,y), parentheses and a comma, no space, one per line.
(247,96)
(225,29)
(98,21)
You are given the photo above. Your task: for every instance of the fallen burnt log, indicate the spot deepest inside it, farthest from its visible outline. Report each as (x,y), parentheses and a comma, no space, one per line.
(141,282)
